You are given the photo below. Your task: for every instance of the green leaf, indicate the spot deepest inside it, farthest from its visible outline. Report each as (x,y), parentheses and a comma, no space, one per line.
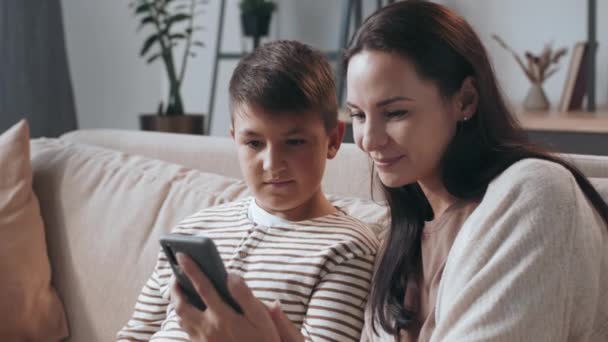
(177,36)
(144,21)
(134,3)
(142,8)
(153,58)
(148,44)
(177,18)
(180,7)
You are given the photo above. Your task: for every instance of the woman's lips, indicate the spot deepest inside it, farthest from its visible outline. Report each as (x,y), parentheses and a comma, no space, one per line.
(387,162)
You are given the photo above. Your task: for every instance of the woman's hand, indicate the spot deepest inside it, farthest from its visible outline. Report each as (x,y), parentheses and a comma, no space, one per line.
(219,322)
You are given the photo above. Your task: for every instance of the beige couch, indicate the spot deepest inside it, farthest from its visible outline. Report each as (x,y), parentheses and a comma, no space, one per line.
(106,196)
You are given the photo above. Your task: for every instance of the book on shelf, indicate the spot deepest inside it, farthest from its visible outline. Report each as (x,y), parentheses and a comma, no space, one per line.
(575,86)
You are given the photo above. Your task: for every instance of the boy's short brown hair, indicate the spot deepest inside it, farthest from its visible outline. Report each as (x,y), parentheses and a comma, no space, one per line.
(286,76)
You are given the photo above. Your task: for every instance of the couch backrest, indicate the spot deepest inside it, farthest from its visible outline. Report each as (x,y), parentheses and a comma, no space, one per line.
(104,209)
(346,175)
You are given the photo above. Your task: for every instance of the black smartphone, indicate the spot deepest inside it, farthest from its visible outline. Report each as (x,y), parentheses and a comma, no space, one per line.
(204,253)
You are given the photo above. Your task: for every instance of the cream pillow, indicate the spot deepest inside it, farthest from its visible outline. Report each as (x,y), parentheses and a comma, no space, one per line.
(30,309)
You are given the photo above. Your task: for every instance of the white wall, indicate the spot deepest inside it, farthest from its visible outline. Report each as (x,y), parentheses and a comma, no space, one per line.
(113,85)
(528,25)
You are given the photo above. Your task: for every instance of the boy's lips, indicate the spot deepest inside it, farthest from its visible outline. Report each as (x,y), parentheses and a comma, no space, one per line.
(278,182)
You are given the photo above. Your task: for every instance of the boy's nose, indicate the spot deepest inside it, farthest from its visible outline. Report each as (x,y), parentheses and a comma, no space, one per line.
(274,161)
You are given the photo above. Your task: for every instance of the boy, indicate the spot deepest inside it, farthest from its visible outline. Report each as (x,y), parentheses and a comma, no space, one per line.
(288,242)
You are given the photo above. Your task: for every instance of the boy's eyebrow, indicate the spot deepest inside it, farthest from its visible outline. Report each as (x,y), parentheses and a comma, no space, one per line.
(248,132)
(294,131)
(384,102)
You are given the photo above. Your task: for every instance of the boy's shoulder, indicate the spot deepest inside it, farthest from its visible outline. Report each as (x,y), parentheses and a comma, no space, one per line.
(233,211)
(350,229)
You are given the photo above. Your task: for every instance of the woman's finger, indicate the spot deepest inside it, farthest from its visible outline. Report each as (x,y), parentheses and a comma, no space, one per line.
(202,285)
(287,330)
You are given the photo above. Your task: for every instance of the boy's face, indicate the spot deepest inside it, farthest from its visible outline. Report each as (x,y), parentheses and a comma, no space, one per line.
(282,158)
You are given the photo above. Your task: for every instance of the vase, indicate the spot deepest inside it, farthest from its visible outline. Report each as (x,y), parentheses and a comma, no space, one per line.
(255,25)
(184,123)
(536,98)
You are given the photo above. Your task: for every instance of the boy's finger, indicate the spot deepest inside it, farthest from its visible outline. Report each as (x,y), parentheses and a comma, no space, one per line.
(187,313)
(202,285)
(287,331)
(254,310)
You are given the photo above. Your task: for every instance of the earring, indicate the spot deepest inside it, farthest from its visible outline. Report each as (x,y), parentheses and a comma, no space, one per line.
(466,118)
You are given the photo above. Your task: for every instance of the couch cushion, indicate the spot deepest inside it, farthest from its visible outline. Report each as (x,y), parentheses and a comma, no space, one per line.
(105,211)
(30,309)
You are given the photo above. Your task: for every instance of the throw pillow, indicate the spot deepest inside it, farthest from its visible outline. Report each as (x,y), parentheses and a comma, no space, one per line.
(30,309)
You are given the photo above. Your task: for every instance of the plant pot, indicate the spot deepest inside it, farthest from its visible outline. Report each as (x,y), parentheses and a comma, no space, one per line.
(255,24)
(536,98)
(189,124)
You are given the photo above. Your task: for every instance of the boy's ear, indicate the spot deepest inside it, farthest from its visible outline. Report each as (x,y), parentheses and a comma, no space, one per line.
(335,140)
(232,132)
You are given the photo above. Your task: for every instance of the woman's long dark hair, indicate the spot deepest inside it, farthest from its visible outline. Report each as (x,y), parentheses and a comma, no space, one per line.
(444,48)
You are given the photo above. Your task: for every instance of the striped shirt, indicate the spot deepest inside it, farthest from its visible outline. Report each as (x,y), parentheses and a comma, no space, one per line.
(320,270)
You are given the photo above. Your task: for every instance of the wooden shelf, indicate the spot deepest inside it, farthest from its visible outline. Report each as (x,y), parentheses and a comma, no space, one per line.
(574,122)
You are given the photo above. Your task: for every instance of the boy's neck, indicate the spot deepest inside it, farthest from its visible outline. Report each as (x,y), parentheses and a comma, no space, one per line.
(317,206)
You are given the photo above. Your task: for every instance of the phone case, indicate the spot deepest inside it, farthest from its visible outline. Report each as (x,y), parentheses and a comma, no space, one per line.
(204,253)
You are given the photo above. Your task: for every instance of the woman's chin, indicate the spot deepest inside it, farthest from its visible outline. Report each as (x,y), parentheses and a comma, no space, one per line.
(393,180)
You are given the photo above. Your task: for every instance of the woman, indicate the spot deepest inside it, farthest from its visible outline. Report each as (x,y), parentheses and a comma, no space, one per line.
(490,238)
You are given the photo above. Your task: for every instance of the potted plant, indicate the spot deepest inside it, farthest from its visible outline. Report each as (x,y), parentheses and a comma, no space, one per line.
(255,18)
(537,69)
(172,25)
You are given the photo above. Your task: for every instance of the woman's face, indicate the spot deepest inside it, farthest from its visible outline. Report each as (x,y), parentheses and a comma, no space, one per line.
(400,120)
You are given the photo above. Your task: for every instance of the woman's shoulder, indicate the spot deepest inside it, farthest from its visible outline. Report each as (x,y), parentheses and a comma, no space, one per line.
(532,194)
(534,176)
(534,167)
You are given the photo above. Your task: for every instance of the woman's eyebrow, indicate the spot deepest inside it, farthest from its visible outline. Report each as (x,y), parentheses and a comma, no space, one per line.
(391,100)
(352,105)
(383,102)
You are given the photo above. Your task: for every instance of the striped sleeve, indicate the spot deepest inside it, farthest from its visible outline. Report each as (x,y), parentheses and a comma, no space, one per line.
(336,308)
(151,306)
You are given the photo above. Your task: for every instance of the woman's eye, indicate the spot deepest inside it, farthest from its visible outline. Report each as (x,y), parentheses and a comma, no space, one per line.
(296,142)
(396,113)
(357,116)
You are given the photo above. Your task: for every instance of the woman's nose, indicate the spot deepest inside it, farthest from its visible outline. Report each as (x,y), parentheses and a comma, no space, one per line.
(373,136)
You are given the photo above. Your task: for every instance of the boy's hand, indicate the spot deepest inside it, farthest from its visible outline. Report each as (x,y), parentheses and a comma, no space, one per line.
(219,322)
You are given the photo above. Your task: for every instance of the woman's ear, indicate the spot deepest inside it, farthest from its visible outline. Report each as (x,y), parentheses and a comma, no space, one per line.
(468,98)
(335,140)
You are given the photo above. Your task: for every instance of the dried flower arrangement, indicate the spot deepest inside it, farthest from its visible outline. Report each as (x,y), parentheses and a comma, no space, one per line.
(538,69)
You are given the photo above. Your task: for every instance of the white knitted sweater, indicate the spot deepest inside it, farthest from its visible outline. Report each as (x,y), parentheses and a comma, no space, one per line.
(529,264)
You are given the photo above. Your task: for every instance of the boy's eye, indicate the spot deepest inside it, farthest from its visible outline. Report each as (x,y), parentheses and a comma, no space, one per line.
(296,142)
(396,113)
(255,144)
